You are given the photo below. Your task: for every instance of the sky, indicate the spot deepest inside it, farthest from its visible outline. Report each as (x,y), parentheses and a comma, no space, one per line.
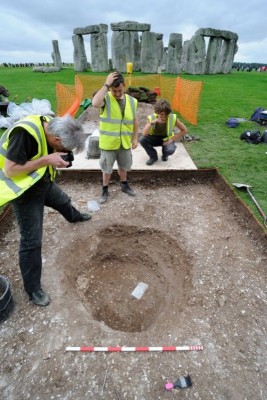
(28,27)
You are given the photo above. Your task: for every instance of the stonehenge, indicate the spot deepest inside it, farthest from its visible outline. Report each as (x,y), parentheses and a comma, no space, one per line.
(209,51)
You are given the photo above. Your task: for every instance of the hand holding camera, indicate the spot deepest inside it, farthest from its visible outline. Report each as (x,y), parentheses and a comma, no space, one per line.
(69,157)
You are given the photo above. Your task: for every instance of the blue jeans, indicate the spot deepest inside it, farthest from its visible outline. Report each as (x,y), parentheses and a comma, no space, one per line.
(29,211)
(151,141)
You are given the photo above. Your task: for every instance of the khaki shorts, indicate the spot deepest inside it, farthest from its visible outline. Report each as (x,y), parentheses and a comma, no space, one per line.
(108,158)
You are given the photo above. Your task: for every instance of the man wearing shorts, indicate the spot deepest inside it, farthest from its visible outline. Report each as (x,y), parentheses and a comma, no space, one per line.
(118,131)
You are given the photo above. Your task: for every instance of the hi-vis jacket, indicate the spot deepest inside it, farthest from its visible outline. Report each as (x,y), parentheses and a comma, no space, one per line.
(171,121)
(115,129)
(10,188)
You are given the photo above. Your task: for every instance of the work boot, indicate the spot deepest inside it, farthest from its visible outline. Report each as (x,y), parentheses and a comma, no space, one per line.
(40,298)
(104,197)
(151,161)
(125,188)
(85,217)
(164,158)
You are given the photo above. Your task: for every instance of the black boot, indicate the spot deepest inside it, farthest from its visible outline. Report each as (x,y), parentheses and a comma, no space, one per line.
(104,197)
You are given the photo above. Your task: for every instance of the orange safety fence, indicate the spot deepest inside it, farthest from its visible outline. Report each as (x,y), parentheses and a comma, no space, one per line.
(186,99)
(90,84)
(68,99)
(184,95)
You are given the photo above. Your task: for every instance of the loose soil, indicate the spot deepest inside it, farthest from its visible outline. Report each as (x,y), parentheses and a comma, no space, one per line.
(206,274)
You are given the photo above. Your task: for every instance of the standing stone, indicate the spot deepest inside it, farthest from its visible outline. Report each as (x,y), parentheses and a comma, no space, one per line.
(195,61)
(229,49)
(163,62)
(125,49)
(79,55)
(149,54)
(56,55)
(136,51)
(99,52)
(175,49)
(184,55)
(213,62)
(160,48)
(121,51)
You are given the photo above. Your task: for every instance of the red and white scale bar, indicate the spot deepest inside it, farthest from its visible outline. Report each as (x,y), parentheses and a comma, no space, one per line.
(137,349)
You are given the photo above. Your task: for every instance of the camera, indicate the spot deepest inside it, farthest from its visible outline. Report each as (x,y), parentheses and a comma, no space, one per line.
(68,157)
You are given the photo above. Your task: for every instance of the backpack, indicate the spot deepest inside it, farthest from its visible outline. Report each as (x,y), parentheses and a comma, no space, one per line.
(251,137)
(232,122)
(263,118)
(256,114)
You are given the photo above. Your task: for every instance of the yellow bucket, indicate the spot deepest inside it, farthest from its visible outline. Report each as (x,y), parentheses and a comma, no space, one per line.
(129,67)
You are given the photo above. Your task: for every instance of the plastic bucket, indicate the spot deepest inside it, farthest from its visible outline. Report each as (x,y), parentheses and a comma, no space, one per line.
(93,147)
(129,68)
(6,300)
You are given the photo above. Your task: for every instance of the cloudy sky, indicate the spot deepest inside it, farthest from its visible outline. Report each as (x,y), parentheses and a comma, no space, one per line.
(29,26)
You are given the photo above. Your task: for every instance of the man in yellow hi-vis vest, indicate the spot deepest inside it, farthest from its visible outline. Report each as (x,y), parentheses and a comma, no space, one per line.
(118,131)
(160,131)
(30,150)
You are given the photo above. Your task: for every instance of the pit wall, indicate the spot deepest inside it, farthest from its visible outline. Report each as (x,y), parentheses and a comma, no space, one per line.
(184,95)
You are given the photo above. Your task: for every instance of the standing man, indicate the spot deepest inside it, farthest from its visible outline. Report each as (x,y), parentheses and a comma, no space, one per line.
(118,131)
(159,131)
(30,150)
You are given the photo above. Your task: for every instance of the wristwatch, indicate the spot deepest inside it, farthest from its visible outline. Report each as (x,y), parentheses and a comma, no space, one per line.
(107,86)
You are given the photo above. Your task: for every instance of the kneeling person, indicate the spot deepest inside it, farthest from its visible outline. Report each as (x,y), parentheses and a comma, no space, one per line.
(159,131)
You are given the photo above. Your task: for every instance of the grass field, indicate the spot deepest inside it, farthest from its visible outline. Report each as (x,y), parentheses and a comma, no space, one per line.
(233,95)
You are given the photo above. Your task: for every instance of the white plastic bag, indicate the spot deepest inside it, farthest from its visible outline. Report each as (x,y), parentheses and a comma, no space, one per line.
(36,107)
(27,107)
(6,122)
(16,112)
(42,107)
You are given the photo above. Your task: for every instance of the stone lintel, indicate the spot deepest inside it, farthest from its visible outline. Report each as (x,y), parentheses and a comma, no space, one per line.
(86,30)
(217,33)
(130,26)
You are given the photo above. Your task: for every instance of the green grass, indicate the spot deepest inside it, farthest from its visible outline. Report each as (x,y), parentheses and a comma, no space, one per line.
(223,96)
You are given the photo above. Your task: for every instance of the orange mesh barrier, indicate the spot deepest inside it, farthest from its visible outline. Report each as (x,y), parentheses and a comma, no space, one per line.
(90,84)
(186,99)
(149,81)
(183,95)
(167,88)
(65,98)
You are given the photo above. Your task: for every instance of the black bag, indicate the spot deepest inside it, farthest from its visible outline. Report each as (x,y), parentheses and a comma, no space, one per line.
(256,114)
(251,137)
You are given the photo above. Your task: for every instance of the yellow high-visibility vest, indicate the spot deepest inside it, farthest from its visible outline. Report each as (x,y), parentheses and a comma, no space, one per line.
(10,188)
(171,122)
(116,130)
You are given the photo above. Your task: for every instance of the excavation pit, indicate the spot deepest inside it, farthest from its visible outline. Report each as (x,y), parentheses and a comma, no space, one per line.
(202,255)
(123,256)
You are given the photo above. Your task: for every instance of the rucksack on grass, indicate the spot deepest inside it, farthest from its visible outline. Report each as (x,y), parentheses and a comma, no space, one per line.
(251,137)
(232,122)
